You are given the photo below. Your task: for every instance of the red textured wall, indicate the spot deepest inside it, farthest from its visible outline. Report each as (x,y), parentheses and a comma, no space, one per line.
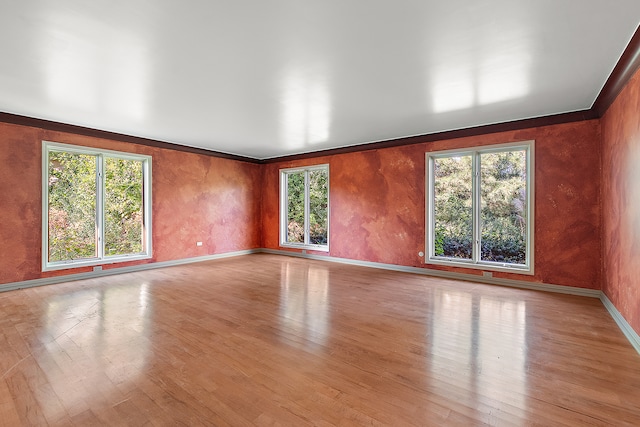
(377,202)
(621,202)
(378,206)
(195,198)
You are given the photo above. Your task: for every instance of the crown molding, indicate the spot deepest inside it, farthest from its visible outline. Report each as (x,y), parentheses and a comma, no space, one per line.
(54,126)
(554,119)
(626,67)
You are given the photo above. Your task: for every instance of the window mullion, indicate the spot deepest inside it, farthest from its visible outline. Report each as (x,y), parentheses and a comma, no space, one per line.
(100,197)
(476,208)
(307,208)
(430,210)
(284,203)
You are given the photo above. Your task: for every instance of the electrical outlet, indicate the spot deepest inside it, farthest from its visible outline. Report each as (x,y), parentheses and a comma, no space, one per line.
(198,243)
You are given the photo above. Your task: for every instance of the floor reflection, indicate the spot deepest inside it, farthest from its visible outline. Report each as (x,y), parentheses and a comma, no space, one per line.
(479,343)
(304,302)
(101,333)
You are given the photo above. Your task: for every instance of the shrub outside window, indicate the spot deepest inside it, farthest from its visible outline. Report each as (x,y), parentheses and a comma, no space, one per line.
(480,207)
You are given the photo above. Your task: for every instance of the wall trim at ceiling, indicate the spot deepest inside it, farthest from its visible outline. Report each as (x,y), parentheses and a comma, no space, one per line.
(555,119)
(50,125)
(627,66)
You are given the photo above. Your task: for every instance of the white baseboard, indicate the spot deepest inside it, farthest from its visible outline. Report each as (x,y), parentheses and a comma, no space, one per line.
(592,293)
(624,326)
(628,331)
(109,272)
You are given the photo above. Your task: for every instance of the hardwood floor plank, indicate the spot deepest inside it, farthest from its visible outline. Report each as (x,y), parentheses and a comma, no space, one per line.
(27,407)
(273,340)
(8,411)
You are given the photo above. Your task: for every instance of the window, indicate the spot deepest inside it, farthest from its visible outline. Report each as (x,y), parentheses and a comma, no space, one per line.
(480,207)
(304,207)
(96,206)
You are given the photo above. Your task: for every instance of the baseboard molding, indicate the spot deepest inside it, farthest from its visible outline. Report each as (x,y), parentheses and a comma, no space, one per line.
(112,271)
(592,293)
(628,331)
(624,326)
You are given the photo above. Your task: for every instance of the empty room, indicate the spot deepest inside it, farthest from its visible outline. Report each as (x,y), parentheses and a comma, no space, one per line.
(320,213)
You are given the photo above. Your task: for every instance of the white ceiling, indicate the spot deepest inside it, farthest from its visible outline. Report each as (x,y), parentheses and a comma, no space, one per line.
(270,78)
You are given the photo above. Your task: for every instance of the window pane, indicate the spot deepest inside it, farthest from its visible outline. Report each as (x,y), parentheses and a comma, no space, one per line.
(72,206)
(295,207)
(123,207)
(318,204)
(504,207)
(453,197)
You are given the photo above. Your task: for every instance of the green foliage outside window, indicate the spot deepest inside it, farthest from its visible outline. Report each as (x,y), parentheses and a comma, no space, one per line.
(503,183)
(453,207)
(503,207)
(72,197)
(123,208)
(295,207)
(72,206)
(318,206)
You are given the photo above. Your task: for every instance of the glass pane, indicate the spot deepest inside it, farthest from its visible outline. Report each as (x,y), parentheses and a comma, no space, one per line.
(123,207)
(72,206)
(318,207)
(503,213)
(453,204)
(295,207)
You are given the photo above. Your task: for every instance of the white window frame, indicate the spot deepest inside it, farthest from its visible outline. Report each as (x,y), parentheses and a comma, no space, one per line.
(101,258)
(475,261)
(284,208)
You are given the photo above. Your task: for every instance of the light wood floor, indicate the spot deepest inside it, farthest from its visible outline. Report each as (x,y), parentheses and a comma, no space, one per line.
(271,340)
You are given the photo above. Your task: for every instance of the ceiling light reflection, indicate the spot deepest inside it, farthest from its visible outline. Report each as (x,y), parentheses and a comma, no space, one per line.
(499,79)
(304,303)
(488,69)
(504,78)
(453,91)
(103,331)
(94,67)
(480,343)
(305,110)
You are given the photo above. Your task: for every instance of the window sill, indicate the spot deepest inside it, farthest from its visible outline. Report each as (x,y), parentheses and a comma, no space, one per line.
(485,266)
(93,262)
(319,248)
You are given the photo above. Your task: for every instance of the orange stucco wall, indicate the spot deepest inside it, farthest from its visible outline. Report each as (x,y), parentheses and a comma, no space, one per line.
(621,202)
(377,202)
(195,198)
